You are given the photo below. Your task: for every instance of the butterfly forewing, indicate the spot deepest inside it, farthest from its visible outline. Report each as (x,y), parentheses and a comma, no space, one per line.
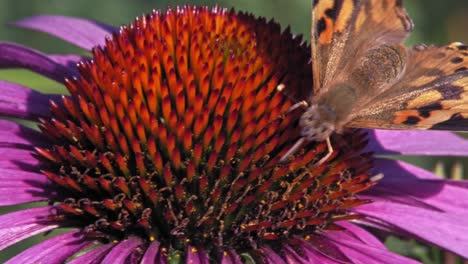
(345,30)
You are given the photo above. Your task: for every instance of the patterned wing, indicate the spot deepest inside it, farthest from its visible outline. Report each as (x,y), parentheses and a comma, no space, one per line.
(345,30)
(432,94)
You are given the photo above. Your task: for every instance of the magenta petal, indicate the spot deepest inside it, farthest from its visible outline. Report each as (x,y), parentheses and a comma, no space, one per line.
(69,60)
(270,256)
(292,256)
(445,230)
(362,253)
(196,256)
(231,257)
(94,256)
(22,224)
(77,31)
(18,187)
(16,56)
(355,233)
(316,256)
(122,251)
(21,102)
(53,250)
(417,142)
(18,159)
(398,185)
(16,135)
(151,253)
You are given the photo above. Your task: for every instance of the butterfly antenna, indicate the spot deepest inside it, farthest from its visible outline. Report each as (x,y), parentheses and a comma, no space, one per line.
(292,150)
(330,152)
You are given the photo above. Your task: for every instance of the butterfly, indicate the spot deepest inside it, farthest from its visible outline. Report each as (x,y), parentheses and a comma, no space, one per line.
(364,77)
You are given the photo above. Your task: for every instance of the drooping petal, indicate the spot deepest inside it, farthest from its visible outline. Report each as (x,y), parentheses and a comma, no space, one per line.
(292,256)
(18,187)
(196,256)
(21,102)
(317,256)
(69,60)
(18,159)
(77,31)
(270,255)
(94,256)
(22,224)
(362,253)
(355,233)
(231,257)
(151,253)
(16,56)
(414,186)
(53,250)
(120,252)
(13,134)
(445,230)
(417,142)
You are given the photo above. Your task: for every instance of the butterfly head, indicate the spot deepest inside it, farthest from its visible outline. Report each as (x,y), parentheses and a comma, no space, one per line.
(317,123)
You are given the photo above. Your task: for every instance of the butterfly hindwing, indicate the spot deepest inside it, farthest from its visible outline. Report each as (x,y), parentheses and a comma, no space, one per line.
(432,94)
(344,30)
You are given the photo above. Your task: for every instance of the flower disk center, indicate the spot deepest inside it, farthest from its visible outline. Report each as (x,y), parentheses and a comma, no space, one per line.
(175,129)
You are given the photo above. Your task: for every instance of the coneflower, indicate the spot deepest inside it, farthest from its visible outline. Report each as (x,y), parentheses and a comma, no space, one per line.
(167,149)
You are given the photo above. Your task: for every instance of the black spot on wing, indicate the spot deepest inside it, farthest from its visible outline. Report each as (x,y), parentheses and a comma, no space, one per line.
(321,26)
(461,69)
(434,72)
(412,120)
(430,107)
(335,10)
(315,2)
(457,60)
(463,47)
(456,123)
(450,92)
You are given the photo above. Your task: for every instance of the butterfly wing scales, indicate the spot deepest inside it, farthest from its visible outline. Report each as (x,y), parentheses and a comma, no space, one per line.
(344,30)
(432,94)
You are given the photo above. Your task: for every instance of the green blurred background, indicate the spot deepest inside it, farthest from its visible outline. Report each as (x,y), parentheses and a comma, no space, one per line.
(436,22)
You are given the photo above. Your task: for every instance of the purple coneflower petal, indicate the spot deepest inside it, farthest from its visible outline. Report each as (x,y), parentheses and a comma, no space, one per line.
(356,233)
(69,60)
(231,257)
(427,143)
(447,231)
(362,253)
(19,225)
(16,135)
(18,159)
(196,256)
(53,250)
(16,56)
(270,255)
(151,253)
(120,252)
(21,102)
(317,256)
(412,185)
(291,256)
(77,31)
(18,187)
(94,256)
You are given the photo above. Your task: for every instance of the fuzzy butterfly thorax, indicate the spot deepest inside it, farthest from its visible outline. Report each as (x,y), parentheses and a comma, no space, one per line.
(372,75)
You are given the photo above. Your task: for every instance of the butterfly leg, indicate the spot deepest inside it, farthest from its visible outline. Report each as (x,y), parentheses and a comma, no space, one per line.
(292,150)
(295,106)
(330,152)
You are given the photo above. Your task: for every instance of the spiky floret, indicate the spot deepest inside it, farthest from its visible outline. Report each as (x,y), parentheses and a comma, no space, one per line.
(174,132)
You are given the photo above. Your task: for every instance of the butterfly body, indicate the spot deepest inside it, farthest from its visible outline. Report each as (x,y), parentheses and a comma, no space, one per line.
(330,112)
(364,77)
